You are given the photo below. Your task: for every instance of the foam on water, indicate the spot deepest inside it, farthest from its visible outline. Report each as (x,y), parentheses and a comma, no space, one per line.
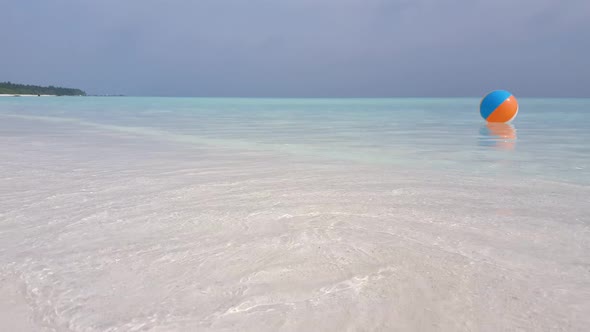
(124,214)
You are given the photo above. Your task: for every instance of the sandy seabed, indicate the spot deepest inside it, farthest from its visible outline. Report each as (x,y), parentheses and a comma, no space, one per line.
(109,232)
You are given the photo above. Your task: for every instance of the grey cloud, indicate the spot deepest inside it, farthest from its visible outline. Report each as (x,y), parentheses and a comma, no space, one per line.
(300,48)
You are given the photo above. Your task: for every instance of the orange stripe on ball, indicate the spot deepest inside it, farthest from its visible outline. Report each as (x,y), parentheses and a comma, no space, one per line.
(505,111)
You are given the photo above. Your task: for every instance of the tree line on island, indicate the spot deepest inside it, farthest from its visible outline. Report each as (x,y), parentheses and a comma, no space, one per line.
(9,88)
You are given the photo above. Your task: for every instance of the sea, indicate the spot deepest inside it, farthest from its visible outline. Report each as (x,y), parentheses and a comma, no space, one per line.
(225,214)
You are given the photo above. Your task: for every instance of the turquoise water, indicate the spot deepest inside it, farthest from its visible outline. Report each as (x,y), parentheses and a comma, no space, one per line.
(186,214)
(548,139)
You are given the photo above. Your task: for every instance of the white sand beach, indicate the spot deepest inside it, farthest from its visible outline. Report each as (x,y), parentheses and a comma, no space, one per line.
(112,231)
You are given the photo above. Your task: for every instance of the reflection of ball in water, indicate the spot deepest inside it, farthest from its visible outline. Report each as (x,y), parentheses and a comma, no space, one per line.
(498,135)
(499,106)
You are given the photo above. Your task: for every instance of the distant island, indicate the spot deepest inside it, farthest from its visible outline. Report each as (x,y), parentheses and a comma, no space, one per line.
(8,88)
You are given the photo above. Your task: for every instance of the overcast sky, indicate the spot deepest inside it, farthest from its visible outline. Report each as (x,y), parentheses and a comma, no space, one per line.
(292,48)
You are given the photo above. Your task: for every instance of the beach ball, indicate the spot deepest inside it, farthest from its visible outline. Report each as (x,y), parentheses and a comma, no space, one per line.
(498,106)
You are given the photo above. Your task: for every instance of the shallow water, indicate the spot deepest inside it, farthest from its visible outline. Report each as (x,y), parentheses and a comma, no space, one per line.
(547,140)
(162,214)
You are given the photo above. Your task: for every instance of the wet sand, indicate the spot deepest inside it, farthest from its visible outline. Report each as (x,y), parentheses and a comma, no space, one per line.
(107,231)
